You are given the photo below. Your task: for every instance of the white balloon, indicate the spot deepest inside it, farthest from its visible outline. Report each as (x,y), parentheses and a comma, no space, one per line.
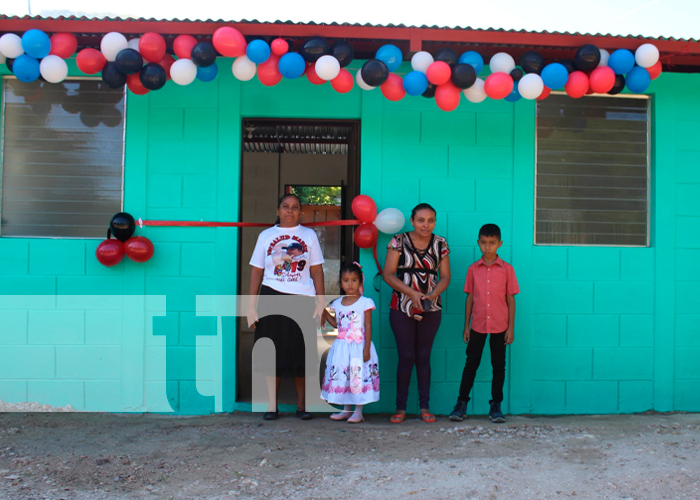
(183,71)
(134,44)
(327,67)
(502,63)
(361,83)
(11,45)
(604,56)
(390,220)
(111,44)
(476,92)
(531,86)
(243,68)
(646,55)
(421,60)
(53,69)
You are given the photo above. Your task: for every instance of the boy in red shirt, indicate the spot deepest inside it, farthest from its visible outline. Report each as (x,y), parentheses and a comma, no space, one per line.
(491,285)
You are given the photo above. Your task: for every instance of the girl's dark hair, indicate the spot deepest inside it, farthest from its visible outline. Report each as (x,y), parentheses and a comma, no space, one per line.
(284,197)
(350,268)
(421,206)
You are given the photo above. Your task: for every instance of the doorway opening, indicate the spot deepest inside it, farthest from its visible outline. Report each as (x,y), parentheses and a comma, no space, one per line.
(319,161)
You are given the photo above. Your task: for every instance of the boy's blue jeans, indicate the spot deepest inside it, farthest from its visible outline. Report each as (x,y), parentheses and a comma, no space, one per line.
(475,348)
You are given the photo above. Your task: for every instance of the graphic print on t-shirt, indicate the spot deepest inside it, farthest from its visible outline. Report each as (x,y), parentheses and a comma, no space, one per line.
(289,256)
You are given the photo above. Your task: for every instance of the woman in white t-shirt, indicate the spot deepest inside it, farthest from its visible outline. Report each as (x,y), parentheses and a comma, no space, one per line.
(287,260)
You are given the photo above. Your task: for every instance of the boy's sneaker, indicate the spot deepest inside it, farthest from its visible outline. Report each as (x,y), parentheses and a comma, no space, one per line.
(495,413)
(459,412)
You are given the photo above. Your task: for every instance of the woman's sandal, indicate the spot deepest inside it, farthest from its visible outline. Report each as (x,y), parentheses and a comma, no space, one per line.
(428,417)
(397,419)
(356,419)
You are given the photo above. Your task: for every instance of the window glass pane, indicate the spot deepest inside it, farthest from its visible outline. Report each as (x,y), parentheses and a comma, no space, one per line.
(62,158)
(592,171)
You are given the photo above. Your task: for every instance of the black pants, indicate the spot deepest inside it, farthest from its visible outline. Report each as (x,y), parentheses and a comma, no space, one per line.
(475,348)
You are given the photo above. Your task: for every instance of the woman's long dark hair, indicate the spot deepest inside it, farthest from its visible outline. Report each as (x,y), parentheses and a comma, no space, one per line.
(284,197)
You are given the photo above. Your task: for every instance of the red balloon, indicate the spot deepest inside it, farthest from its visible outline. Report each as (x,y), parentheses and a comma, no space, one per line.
(110,252)
(138,249)
(602,79)
(447,96)
(183,45)
(268,72)
(344,82)
(312,76)
(135,85)
(498,85)
(63,45)
(279,46)
(439,73)
(545,94)
(229,42)
(167,61)
(152,47)
(655,70)
(90,61)
(366,236)
(577,86)
(392,88)
(364,208)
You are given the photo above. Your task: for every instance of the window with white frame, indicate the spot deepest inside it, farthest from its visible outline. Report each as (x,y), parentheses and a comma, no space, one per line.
(62,158)
(592,173)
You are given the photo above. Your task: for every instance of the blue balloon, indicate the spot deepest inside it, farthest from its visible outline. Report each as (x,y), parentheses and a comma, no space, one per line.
(36,44)
(208,73)
(637,80)
(555,76)
(474,59)
(621,61)
(390,55)
(514,96)
(26,68)
(258,51)
(415,83)
(291,65)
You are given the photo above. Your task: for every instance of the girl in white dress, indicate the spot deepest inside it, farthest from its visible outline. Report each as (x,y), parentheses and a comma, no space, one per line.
(352,367)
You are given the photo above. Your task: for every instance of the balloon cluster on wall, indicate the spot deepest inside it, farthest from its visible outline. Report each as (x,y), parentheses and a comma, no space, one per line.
(143,65)
(388,221)
(111,252)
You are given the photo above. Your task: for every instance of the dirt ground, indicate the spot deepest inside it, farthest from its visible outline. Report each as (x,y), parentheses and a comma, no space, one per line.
(119,457)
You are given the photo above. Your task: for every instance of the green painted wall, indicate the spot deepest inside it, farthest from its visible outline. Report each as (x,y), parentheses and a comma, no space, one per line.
(598,330)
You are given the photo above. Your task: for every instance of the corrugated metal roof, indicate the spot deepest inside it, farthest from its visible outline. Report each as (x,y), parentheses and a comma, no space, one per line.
(365,25)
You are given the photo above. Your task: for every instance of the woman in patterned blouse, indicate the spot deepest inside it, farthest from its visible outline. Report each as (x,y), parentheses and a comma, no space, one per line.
(417,267)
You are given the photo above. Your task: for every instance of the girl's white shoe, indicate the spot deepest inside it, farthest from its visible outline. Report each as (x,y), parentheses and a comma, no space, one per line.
(356,419)
(343,415)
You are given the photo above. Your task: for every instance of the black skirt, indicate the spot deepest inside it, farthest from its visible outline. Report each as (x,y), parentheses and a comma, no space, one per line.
(285,334)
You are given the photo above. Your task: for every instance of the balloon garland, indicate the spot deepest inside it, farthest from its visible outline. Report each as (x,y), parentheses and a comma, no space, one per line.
(140,249)
(143,66)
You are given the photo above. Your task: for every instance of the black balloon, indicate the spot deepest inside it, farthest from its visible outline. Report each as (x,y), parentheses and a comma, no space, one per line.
(129,61)
(568,64)
(153,76)
(587,58)
(374,72)
(430,91)
(111,117)
(343,52)
(517,74)
(89,120)
(619,85)
(314,48)
(463,75)
(532,62)
(111,75)
(9,62)
(122,226)
(447,55)
(203,54)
